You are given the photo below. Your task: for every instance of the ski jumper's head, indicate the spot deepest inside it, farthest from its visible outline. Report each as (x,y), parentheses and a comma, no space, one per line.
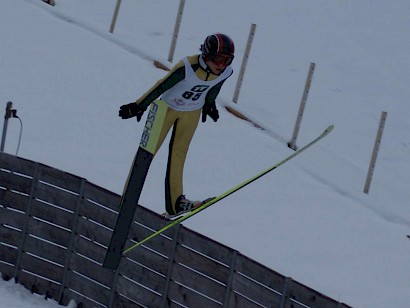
(217,52)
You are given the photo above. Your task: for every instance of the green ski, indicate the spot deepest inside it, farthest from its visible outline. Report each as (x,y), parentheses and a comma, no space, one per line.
(231,191)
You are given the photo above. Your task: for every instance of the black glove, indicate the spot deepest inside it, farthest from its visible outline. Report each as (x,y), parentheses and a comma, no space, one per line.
(131,110)
(210,110)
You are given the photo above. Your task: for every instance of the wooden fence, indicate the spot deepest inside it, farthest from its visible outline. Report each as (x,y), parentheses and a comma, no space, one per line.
(55,228)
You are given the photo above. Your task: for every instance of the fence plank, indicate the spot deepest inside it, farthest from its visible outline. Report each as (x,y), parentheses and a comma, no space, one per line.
(41,267)
(60,179)
(197,281)
(87,287)
(149,259)
(101,196)
(253,290)
(58,197)
(12,218)
(152,220)
(13,200)
(38,285)
(189,298)
(202,263)
(237,300)
(80,300)
(310,297)
(91,269)
(8,254)
(52,214)
(137,293)
(16,164)
(139,274)
(89,249)
(48,232)
(172,305)
(97,213)
(6,269)
(206,246)
(45,250)
(265,276)
(9,236)
(122,302)
(93,231)
(15,182)
(161,244)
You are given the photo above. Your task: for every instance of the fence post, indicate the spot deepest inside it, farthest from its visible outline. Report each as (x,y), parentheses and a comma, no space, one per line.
(69,251)
(286,291)
(171,258)
(230,279)
(375,152)
(113,288)
(176,30)
(244,62)
(292,142)
(27,219)
(114,17)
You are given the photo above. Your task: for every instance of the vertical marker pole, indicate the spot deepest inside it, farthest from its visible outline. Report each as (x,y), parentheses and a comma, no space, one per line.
(375,152)
(176,30)
(6,121)
(114,17)
(244,62)
(292,142)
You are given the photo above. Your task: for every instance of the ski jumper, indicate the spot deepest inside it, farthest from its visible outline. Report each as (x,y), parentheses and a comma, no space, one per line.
(185,89)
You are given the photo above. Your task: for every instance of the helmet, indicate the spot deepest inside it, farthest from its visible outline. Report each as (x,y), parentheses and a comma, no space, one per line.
(218,43)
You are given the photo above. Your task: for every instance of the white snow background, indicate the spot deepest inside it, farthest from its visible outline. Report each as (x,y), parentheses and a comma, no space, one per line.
(67,76)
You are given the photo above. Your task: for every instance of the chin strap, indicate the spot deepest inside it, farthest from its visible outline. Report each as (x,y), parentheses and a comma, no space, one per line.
(206,68)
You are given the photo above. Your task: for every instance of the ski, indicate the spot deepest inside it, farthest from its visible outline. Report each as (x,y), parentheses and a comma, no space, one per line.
(135,183)
(231,191)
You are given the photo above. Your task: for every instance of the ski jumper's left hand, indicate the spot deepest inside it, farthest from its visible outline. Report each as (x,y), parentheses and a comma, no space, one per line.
(211,111)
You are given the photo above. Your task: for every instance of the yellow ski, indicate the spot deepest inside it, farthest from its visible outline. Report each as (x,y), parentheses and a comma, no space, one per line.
(229,192)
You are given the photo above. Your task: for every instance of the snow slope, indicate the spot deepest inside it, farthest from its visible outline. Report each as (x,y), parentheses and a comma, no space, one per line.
(67,75)
(13,295)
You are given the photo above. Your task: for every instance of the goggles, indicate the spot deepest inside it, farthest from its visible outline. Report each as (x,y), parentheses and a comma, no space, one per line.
(219,58)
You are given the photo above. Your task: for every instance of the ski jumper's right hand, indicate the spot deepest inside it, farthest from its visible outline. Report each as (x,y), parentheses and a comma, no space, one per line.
(131,110)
